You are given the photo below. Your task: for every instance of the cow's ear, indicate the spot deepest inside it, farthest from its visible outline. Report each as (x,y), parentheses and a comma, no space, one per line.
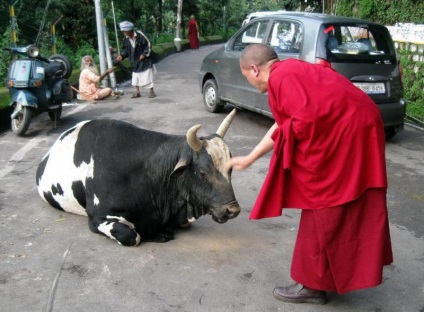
(179,168)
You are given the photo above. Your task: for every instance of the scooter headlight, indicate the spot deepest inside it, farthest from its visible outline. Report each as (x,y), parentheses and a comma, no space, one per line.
(33,51)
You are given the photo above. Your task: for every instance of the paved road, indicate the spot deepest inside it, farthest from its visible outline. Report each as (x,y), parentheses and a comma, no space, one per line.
(50,261)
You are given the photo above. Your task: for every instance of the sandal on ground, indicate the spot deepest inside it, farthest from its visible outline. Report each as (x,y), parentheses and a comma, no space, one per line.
(135,95)
(152,95)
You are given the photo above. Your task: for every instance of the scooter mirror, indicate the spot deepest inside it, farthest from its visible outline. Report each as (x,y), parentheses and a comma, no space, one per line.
(33,51)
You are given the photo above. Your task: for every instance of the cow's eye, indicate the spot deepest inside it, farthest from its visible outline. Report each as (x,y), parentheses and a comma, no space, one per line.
(203,173)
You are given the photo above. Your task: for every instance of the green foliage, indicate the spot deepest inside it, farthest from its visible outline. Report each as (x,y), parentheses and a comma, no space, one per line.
(85,49)
(413,79)
(415,111)
(365,9)
(164,37)
(413,82)
(5,57)
(345,8)
(265,5)
(387,12)
(4,100)
(236,11)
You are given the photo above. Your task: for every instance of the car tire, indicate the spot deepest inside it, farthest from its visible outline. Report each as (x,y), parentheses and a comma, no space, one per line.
(211,97)
(390,133)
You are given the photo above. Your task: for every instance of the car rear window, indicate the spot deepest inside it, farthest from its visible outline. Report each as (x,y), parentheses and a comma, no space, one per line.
(355,43)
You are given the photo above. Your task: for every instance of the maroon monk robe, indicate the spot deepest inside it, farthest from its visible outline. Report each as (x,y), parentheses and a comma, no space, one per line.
(329,150)
(193,34)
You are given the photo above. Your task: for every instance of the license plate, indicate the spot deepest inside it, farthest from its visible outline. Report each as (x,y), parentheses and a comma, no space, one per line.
(371,87)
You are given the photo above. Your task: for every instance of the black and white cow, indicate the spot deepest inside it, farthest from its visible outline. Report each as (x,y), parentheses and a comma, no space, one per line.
(138,185)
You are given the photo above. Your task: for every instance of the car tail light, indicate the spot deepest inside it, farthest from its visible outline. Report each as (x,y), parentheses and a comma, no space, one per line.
(322,62)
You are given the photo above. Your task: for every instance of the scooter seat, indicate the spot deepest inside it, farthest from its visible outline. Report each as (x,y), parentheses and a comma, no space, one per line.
(53,69)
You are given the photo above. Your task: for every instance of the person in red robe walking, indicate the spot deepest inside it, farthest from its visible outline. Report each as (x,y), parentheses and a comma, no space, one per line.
(193,33)
(328,159)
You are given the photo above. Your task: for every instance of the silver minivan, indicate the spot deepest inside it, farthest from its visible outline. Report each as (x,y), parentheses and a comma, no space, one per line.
(360,50)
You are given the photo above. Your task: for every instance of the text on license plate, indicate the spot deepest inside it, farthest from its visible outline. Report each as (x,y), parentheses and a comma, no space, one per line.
(371,87)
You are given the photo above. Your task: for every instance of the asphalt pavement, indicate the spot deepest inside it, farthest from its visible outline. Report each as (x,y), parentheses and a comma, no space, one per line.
(50,261)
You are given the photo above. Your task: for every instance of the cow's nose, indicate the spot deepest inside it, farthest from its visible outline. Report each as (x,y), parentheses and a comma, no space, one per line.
(233,211)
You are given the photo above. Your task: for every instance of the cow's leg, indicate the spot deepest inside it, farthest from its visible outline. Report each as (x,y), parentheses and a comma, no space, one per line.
(157,233)
(164,236)
(116,228)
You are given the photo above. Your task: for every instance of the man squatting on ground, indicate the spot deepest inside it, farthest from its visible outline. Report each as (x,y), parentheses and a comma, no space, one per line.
(328,160)
(137,48)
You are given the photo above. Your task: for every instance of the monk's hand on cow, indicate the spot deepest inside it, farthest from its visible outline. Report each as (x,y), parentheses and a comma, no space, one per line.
(239,163)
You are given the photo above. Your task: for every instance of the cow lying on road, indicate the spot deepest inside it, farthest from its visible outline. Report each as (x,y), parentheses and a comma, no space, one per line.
(138,185)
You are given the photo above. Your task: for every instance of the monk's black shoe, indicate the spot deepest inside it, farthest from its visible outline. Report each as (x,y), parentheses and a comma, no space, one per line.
(298,293)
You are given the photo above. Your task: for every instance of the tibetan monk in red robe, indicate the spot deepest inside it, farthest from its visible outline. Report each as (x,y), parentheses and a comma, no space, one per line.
(193,33)
(328,159)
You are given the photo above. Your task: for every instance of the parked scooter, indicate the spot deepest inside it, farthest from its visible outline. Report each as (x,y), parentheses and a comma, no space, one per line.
(37,84)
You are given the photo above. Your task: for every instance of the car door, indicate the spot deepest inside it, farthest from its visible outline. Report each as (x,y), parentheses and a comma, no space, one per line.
(234,86)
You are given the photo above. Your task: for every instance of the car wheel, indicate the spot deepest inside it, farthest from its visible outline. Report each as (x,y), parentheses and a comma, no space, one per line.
(390,133)
(211,97)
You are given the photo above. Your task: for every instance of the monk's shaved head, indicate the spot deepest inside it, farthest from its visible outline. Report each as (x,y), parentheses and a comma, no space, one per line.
(257,54)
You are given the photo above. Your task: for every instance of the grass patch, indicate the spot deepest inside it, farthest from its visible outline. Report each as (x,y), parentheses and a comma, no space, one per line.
(415,111)
(4,98)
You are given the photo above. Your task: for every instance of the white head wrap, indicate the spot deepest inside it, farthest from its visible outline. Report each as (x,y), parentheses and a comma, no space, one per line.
(126,26)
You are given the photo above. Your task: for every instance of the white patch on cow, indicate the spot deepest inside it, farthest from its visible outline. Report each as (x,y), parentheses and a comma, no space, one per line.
(138,240)
(107,227)
(122,220)
(220,154)
(96,200)
(60,169)
(90,168)
(191,220)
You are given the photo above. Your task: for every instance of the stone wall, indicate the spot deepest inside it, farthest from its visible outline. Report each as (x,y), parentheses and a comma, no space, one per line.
(409,37)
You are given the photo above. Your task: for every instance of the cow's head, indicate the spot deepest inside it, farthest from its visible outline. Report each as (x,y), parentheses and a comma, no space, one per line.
(207,183)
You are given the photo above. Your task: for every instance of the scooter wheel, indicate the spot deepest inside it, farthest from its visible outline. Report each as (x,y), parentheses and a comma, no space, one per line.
(20,124)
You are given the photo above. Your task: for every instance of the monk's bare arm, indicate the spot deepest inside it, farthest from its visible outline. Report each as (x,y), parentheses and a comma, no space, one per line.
(264,146)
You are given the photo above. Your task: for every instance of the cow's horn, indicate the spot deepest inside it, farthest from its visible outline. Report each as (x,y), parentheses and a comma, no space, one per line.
(192,139)
(226,123)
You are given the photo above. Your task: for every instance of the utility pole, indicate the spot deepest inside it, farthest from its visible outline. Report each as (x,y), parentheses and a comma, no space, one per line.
(108,55)
(101,41)
(177,40)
